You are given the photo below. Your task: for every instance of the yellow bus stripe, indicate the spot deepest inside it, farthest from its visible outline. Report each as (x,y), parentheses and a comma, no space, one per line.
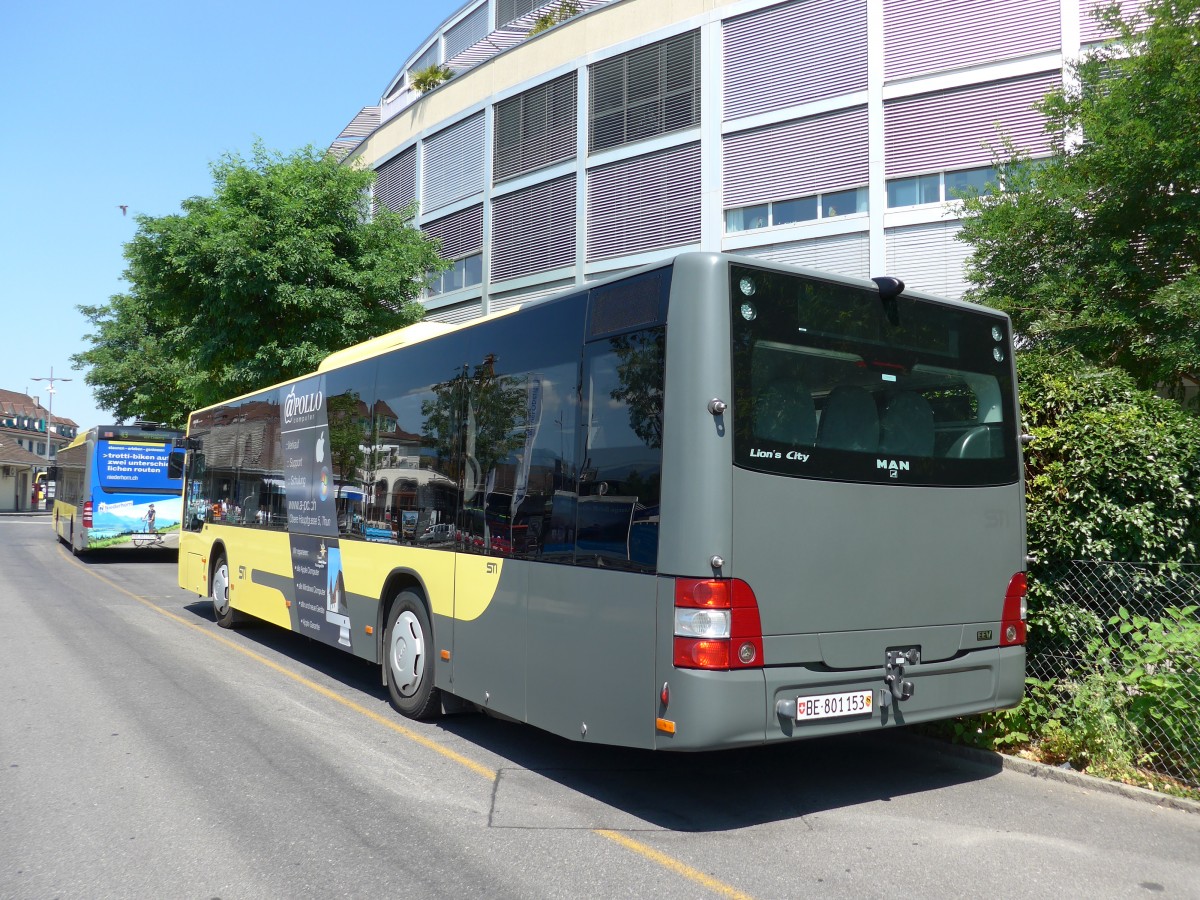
(669,862)
(662,859)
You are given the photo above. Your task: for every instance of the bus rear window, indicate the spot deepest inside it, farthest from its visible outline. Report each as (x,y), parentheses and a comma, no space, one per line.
(833,382)
(132,467)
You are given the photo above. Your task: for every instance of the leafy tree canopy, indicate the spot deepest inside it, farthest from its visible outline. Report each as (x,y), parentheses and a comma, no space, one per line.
(1098,250)
(283,264)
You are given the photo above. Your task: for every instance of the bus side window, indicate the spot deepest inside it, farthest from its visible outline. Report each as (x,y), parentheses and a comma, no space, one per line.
(259,495)
(621,475)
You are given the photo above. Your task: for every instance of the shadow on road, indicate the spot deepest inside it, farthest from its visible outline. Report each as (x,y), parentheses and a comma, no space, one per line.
(625,788)
(108,556)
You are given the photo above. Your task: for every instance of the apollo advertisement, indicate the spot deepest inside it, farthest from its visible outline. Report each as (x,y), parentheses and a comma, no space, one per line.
(312,513)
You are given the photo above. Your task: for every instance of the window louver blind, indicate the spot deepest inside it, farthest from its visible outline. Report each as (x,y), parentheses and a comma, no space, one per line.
(453,164)
(396,180)
(646,92)
(535,129)
(461,234)
(452,315)
(847,254)
(929,258)
(644,203)
(507,10)
(533,230)
(470,30)
(426,59)
(797,159)
(934,35)
(1091,29)
(766,52)
(959,128)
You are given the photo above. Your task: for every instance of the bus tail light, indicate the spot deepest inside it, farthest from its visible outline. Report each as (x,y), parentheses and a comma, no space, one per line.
(87,514)
(1012,620)
(716,625)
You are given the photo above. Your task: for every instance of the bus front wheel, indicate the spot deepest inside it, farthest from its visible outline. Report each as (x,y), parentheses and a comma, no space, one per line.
(219,592)
(409,643)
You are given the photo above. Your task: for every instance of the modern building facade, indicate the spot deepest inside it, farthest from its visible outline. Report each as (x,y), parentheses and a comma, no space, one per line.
(832,134)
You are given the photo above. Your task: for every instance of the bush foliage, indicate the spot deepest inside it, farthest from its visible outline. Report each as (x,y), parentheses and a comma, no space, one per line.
(1113,472)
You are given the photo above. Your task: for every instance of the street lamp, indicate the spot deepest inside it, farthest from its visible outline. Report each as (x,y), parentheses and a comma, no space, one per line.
(50,408)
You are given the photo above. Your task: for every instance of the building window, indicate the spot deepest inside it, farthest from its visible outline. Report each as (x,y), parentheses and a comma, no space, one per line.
(646,92)
(425,60)
(801,209)
(914,191)
(535,129)
(983,180)
(748,217)
(941,187)
(844,203)
(785,212)
(463,273)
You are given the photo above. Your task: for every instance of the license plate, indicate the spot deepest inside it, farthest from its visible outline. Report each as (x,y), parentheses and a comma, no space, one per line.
(831,706)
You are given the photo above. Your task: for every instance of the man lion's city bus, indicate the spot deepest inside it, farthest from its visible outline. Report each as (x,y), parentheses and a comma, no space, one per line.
(114,489)
(712,503)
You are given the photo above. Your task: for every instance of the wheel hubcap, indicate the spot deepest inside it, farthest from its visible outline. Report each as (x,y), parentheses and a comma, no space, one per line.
(220,589)
(407,654)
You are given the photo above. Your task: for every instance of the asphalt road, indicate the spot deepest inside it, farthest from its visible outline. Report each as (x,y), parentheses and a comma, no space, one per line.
(146,753)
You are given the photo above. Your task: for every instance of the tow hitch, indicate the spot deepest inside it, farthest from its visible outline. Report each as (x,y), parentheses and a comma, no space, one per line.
(893,675)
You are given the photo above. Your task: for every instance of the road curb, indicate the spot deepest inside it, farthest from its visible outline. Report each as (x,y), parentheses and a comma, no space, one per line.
(990,758)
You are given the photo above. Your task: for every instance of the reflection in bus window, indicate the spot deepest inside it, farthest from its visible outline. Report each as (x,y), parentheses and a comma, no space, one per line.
(620,480)
(520,437)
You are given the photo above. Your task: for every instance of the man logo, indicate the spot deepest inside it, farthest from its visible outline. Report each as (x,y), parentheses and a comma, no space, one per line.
(894,467)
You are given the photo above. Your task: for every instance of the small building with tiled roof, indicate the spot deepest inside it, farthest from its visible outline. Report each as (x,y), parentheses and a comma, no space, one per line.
(17,469)
(23,434)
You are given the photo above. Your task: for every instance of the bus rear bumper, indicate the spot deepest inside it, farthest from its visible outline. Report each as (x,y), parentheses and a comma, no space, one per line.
(710,710)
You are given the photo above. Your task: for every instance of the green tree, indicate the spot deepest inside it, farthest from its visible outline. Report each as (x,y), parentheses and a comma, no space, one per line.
(283,264)
(1098,249)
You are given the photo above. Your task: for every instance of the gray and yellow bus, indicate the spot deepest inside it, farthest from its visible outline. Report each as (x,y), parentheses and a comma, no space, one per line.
(715,502)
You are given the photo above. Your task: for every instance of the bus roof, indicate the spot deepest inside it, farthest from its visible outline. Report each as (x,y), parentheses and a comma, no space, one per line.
(150,433)
(401,337)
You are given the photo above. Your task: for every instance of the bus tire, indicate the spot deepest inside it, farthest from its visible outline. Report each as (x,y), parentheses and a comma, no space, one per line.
(218,592)
(408,644)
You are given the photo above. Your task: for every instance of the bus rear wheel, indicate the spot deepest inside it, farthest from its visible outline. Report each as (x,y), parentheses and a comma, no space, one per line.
(219,592)
(409,644)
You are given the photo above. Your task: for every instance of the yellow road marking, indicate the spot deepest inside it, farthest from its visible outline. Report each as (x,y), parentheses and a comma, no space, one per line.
(662,859)
(669,862)
(385,721)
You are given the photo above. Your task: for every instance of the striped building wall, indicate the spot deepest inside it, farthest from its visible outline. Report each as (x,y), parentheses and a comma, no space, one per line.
(828,133)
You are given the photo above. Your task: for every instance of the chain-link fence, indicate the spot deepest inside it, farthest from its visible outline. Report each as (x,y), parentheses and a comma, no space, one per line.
(1115,651)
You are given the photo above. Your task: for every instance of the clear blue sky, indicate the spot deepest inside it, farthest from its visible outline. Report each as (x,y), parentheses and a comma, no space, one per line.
(128,103)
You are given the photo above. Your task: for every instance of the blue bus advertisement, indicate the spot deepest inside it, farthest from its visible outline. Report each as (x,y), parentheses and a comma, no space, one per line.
(114,488)
(133,497)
